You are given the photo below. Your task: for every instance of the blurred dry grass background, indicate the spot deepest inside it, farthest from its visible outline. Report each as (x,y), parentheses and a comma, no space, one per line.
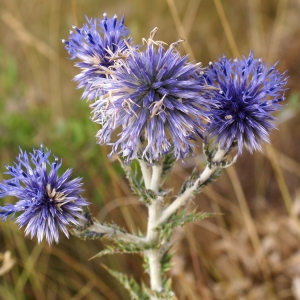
(250,251)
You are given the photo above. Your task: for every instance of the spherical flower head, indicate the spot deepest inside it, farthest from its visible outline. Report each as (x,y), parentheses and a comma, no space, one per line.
(96,44)
(248,93)
(156,100)
(47,202)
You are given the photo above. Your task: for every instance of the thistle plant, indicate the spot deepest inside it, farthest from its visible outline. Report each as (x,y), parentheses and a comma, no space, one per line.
(155,107)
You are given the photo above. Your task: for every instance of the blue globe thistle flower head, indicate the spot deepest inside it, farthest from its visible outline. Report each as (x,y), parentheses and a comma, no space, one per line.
(47,202)
(249,92)
(154,97)
(96,44)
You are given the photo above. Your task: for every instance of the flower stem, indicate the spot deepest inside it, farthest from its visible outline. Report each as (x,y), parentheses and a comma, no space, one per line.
(189,193)
(153,255)
(146,172)
(158,216)
(154,212)
(208,171)
(117,234)
(156,178)
(155,272)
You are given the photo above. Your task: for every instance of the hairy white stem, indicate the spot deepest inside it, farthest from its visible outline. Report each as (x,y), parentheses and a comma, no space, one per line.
(179,202)
(156,178)
(155,208)
(146,172)
(219,155)
(117,234)
(153,256)
(207,172)
(188,194)
(154,212)
(154,260)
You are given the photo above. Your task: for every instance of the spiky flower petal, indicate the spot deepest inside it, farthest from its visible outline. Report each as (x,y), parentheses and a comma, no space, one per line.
(156,100)
(96,44)
(249,92)
(47,202)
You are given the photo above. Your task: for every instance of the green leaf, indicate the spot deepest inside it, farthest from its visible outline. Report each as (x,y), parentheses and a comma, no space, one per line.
(211,179)
(166,294)
(181,219)
(166,264)
(206,151)
(87,235)
(190,181)
(135,291)
(137,186)
(168,163)
(165,260)
(119,248)
(225,162)
(142,292)
(82,231)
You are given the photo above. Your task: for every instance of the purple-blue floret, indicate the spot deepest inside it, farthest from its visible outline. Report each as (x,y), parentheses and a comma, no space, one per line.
(46,202)
(248,92)
(96,45)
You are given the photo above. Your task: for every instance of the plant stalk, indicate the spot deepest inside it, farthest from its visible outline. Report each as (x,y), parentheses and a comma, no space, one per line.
(189,193)
(154,213)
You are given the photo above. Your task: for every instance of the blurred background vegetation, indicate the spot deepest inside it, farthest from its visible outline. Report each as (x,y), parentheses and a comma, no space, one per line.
(250,250)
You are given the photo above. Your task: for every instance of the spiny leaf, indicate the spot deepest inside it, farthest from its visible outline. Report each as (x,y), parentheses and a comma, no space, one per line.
(225,162)
(115,227)
(88,216)
(166,262)
(181,219)
(87,235)
(211,179)
(190,181)
(160,295)
(82,231)
(137,186)
(165,294)
(168,163)
(119,248)
(184,218)
(206,151)
(129,284)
